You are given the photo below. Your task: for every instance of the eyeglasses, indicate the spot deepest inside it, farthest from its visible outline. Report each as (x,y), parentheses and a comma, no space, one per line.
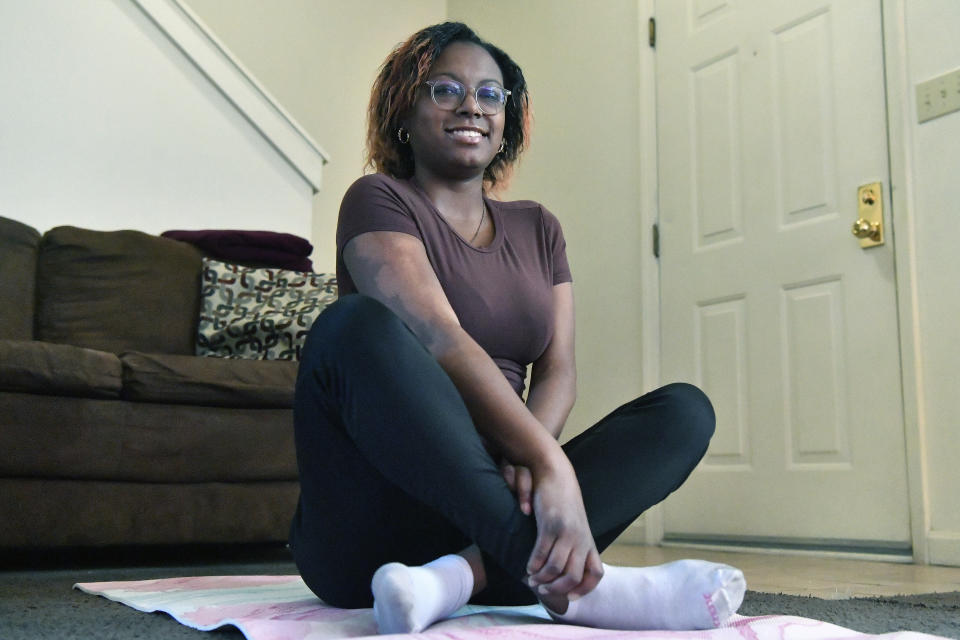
(450,94)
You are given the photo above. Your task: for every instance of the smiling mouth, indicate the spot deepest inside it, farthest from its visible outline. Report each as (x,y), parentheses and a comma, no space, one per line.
(466,133)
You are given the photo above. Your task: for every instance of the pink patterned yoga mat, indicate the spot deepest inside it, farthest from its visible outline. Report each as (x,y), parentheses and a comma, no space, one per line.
(283,608)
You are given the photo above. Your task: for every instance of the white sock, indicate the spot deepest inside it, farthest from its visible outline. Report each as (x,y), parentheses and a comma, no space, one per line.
(680,595)
(410,599)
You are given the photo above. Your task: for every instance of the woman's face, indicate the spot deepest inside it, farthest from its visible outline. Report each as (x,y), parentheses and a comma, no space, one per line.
(459,143)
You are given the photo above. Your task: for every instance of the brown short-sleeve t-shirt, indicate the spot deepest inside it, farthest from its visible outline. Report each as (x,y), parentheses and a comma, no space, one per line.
(502,293)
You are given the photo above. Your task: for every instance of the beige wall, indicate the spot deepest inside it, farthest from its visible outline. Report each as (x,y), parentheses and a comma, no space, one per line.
(580,61)
(933,165)
(318,58)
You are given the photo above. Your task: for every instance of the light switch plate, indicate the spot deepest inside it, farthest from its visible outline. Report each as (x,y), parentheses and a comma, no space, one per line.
(938,96)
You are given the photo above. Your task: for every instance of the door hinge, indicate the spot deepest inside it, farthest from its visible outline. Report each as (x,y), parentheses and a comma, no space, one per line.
(652,32)
(656,241)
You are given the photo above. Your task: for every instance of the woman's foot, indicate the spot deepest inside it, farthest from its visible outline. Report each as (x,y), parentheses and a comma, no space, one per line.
(410,599)
(681,595)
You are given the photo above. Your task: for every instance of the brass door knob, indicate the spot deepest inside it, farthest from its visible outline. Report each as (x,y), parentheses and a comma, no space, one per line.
(866,229)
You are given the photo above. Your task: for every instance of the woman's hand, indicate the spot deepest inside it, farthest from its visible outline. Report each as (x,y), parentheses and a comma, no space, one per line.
(520,481)
(565,560)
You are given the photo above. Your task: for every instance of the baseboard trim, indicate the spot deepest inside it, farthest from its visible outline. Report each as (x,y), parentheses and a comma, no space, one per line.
(636,533)
(840,549)
(943,547)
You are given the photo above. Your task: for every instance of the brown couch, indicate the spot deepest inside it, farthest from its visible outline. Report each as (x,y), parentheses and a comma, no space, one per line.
(111,430)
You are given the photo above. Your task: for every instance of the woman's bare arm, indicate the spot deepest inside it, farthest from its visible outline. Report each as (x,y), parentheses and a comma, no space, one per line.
(553,389)
(553,379)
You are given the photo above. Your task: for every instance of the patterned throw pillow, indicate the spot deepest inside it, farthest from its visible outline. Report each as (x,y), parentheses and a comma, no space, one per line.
(259,313)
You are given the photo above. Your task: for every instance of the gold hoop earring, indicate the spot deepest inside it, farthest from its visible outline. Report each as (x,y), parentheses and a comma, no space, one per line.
(503,145)
(403,135)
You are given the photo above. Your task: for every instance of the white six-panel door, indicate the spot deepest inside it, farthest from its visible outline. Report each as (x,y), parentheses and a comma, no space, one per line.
(770,114)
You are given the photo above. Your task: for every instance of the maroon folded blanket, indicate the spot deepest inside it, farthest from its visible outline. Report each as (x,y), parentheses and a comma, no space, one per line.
(267,248)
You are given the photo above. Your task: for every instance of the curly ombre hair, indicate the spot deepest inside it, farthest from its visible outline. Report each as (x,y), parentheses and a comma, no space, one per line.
(395,92)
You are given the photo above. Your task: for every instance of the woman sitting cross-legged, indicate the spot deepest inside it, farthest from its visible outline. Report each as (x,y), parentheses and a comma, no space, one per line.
(426,480)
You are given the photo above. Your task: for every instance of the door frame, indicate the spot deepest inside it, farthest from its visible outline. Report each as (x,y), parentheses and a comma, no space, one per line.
(904,248)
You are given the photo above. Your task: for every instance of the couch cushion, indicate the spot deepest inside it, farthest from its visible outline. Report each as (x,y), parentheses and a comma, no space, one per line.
(18,269)
(117,291)
(260,314)
(212,382)
(32,514)
(61,369)
(109,439)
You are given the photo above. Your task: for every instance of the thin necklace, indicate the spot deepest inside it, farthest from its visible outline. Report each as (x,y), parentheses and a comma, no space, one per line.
(483,214)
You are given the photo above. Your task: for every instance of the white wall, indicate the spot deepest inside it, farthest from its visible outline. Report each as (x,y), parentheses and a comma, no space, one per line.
(932,47)
(318,58)
(105,124)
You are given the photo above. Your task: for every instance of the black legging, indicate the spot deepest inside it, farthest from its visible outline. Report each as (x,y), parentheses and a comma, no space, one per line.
(393,470)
